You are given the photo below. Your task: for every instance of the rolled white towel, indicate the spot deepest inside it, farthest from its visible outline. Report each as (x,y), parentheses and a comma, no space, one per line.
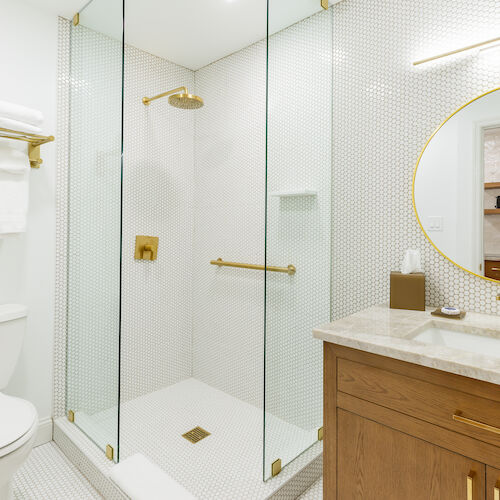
(141,479)
(19,126)
(21,113)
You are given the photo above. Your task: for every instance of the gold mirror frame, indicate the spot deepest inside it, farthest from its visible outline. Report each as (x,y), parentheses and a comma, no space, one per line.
(413,187)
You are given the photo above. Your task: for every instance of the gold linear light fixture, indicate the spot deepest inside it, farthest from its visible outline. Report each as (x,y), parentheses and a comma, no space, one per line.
(179,98)
(457,51)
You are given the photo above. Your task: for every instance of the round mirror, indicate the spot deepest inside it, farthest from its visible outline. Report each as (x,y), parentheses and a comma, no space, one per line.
(456,187)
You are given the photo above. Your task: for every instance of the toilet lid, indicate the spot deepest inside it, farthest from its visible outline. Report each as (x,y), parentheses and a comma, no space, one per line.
(17,417)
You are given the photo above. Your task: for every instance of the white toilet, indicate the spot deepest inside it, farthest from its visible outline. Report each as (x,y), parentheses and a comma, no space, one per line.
(18,418)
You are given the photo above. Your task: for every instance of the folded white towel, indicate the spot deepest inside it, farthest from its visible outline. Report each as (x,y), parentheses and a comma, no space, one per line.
(141,479)
(14,196)
(13,156)
(18,126)
(21,114)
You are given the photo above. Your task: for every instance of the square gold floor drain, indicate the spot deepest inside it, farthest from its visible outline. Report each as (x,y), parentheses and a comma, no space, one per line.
(196,434)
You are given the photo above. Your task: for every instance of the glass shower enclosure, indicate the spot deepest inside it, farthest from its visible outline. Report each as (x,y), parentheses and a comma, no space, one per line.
(199,352)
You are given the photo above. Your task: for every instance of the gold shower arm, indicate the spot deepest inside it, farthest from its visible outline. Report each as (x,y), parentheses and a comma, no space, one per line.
(147,100)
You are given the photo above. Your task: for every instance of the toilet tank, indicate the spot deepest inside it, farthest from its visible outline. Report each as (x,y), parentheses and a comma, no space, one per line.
(12,330)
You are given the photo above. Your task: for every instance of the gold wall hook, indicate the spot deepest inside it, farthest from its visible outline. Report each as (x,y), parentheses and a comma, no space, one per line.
(146,247)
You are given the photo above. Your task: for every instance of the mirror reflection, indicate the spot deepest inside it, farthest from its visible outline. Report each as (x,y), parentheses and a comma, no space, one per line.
(457,187)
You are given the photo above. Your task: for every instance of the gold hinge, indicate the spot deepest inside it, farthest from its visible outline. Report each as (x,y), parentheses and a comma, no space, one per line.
(109,452)
(320,434)
(71,416)
(324,4)
(276,467)
(76,19)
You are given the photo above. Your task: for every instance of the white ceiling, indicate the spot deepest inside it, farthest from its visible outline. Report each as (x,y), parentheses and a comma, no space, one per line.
(191,33)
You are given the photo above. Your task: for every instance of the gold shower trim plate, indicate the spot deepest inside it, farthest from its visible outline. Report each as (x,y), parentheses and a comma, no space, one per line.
(146,247)
(196,435)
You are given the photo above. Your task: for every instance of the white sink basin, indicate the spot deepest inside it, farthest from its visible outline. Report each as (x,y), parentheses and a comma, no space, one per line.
(468,342)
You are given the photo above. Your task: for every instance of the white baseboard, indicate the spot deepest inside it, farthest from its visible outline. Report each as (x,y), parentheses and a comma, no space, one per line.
(44,434)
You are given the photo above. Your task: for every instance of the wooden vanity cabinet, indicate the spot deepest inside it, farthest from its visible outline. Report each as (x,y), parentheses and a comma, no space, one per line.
(389,431)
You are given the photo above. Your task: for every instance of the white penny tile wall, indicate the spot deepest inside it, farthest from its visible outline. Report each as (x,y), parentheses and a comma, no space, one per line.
(384,111)
(158,188)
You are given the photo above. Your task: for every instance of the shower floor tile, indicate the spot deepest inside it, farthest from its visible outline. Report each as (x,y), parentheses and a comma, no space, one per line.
(49,475)
(225,465)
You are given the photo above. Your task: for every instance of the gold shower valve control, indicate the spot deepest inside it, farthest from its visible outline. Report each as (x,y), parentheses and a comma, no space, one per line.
(146,247)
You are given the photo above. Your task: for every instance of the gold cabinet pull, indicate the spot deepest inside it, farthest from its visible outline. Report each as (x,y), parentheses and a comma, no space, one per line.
(496,493)
(475,423)
(470,487)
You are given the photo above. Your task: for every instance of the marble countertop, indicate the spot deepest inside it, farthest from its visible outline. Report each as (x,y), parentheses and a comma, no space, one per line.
(491,256)
(388,332)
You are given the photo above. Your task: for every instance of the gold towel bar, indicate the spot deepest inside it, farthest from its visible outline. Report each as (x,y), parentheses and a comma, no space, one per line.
(34,142)
(222,263)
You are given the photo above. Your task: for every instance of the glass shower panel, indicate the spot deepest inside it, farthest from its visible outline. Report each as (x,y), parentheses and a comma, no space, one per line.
(94,216)
(299,127)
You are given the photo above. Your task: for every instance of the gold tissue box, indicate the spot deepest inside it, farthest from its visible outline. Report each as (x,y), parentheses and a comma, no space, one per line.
(408,291)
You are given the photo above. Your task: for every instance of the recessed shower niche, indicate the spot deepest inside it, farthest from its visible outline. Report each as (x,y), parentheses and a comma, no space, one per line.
(210,129)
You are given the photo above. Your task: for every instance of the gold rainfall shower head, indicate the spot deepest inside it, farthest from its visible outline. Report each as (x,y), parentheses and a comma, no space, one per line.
(179,98)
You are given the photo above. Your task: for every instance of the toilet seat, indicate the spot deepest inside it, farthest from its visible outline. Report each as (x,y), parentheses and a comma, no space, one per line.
(18,422)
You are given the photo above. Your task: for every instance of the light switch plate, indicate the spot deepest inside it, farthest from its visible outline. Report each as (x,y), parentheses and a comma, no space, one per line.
(435,223)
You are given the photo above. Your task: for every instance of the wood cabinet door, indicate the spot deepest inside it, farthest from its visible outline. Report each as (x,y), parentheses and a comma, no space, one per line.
(376,462)
(492,483)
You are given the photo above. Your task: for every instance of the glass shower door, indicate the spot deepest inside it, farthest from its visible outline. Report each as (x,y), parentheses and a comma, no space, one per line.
(94,222)
(298,204)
